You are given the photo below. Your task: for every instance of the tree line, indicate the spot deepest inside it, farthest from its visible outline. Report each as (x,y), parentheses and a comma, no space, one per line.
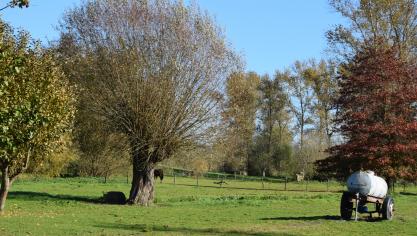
(279,125)
(140,83)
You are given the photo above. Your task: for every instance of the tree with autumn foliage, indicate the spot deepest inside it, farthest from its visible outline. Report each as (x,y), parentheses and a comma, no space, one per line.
(16,3)
(36,106)
(394,21)
(376,117)
(239,117)
(152,72)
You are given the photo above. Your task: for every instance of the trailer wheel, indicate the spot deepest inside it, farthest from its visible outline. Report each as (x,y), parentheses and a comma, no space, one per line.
(346,206)
(388,208)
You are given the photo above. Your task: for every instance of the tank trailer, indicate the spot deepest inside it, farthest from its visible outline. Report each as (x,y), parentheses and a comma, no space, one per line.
(365,187)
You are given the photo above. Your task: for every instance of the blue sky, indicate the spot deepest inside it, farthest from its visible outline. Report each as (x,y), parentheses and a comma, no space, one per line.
(271,34)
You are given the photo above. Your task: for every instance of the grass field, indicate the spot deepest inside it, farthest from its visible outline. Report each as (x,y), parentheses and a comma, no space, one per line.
(70,207)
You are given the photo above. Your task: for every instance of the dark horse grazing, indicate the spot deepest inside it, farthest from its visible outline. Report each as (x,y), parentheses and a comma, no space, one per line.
(158,173)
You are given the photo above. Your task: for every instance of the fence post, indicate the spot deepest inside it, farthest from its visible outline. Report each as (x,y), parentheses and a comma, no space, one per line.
(306,184)
(327,183)
(285,186)
(174,177)
(197,180)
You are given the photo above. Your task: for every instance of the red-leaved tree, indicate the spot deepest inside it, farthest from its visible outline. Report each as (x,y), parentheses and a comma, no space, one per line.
(377,117)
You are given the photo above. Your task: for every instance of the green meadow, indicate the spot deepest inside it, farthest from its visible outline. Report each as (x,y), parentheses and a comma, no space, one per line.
(72,207)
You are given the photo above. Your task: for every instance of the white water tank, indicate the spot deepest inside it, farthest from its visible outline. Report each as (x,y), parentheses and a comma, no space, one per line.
(367,183)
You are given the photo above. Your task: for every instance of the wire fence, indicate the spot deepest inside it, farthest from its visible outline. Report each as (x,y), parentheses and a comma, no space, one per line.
(236,181)
(178,176)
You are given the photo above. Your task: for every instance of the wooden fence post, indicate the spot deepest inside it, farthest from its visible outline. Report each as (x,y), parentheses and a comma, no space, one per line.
(174,177)
(327,183)
(306,185)
(285,186)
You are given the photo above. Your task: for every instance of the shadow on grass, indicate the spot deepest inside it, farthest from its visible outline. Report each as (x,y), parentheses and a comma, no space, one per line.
(408,194)
(304,218)
(142,228)
(324,217)
(27,195)
(257,189)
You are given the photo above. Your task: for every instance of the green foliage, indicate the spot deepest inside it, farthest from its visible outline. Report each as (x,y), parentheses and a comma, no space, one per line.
(55,163)
(274,136)
(101,152)
(37,103)
(276,161)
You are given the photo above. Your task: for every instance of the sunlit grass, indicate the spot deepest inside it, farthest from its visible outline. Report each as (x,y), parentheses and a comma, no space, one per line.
(70,207)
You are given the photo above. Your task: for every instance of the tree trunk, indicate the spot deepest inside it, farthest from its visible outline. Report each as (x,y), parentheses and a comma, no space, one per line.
(142,189)
(4,189)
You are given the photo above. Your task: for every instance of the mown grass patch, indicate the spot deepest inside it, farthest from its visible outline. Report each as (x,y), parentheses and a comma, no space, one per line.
(72,207)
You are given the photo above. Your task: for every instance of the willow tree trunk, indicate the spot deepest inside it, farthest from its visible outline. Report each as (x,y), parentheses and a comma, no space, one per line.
(4,189)
(142,189)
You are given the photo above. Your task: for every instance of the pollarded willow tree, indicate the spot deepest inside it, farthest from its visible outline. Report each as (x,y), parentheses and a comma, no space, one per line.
(151,70)
(36,105)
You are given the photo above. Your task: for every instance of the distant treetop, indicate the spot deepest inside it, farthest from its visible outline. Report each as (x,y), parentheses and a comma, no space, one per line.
(18,3)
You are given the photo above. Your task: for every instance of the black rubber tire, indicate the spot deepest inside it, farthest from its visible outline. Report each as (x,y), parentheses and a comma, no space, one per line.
(346,206)
(387,209)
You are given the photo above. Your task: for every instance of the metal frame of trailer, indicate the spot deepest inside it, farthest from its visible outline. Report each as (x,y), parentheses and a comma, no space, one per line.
(356,202)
